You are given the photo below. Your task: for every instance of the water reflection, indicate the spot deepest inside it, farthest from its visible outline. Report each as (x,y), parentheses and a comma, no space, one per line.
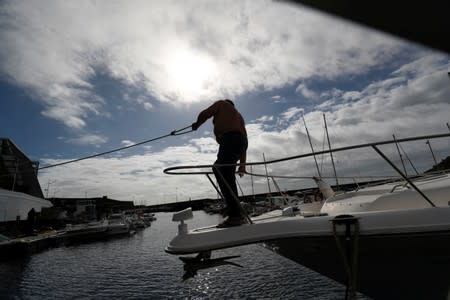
(138,268)
(11,277)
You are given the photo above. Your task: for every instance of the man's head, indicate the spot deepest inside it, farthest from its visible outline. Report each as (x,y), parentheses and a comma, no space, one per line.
(229,101)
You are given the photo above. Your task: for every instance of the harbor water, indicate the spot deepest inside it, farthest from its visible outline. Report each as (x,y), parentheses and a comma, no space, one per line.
(137,267)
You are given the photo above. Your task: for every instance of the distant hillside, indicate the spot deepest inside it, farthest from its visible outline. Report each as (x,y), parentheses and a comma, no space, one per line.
(443,165)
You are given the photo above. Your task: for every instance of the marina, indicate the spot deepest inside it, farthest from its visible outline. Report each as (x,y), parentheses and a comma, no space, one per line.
(224,150)
(71,235)
(137,267)
(354,236)
(350,235)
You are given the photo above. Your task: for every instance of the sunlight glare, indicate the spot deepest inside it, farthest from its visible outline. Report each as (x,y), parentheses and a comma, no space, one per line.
(190,73)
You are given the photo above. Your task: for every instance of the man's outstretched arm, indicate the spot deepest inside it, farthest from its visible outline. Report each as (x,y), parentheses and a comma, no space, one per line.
(205,115)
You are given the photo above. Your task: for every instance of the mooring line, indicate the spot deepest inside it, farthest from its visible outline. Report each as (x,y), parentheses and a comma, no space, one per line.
(173,133)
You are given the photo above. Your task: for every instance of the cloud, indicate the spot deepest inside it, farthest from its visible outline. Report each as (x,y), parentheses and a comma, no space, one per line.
(277,99)
(420,103)
(263,119)
(183,52)
(137,176)
(303,90)
(351,96)
(332,94)
(147,106)
(291,112)
(172,51)
(142,100)
(88,139)
(127,143)
(372,113)
(205,145)
(423,65)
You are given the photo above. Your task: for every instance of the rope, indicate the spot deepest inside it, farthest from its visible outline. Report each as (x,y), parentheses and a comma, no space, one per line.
(173,133)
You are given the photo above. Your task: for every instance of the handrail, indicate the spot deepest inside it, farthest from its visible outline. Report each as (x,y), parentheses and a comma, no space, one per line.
(170,170)
(403,175)
(265,163)
(323,177)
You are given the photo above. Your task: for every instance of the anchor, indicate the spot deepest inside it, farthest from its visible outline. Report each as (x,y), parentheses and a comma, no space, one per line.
(203,261)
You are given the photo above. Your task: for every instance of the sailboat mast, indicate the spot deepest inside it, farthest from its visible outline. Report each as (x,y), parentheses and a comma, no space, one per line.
(401,157)
(407,157)
(432,153)
(310,144)
(267,175)
(251,177)
(331,153)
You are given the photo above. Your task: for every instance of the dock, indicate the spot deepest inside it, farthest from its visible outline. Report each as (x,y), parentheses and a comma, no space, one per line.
(28,245)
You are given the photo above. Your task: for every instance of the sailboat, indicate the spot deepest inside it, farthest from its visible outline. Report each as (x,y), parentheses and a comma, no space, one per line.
(389,241)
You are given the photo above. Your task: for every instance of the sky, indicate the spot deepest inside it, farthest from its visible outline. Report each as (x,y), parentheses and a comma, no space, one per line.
(79,78)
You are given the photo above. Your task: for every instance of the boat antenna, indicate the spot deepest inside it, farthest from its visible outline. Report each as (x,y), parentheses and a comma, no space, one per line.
(311,145)
(331,152)
(399,153)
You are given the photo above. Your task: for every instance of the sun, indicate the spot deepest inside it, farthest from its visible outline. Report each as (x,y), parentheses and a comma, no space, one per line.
(190,73)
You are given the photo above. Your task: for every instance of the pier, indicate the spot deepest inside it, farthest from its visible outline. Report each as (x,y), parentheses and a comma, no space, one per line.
(28,245)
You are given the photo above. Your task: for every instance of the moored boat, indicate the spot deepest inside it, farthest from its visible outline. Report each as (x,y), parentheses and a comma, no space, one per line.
(117,225)
(388,241)
(16,205)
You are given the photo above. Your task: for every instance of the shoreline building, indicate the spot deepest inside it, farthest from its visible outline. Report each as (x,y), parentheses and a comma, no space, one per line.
(20,190)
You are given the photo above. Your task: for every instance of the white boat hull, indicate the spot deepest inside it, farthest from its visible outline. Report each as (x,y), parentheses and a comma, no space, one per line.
(396,235)
(397,249)
(392,196)
(16,204)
